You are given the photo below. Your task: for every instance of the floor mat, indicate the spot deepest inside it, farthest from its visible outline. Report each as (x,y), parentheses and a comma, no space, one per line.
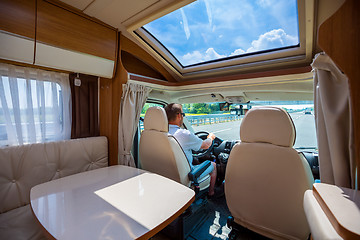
(213,226)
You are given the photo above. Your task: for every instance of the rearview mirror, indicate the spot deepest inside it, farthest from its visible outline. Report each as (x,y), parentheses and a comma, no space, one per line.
(224,106)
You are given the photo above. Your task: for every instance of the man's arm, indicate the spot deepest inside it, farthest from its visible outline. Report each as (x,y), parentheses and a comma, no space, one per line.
(208,141)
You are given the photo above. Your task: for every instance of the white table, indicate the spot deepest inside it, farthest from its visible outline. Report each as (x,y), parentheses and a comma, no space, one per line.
(116,202)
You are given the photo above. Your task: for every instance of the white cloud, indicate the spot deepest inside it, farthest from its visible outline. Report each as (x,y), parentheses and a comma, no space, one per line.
(239,13)
(264,3)
(186,25)
(197,56)
(237,52)
(274,39)
(212,54)
(208,11)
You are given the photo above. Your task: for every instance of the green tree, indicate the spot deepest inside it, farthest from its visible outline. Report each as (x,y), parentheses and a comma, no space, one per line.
(214,107)
(145,108)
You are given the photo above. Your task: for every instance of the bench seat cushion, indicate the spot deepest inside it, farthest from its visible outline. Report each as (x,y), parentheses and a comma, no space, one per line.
(20,224)
(23,167)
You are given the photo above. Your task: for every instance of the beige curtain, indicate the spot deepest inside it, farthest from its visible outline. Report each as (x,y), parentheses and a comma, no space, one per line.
(333,123)
(132,101)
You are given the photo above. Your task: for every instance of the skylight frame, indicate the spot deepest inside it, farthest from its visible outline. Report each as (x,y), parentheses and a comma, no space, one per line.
(290,54)
(151,36)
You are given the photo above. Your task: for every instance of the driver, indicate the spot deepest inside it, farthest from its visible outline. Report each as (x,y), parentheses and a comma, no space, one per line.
(189,141)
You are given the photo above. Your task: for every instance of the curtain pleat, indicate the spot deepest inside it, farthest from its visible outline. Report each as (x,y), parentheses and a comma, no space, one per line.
(55,110)
(16,107)
(133,100)
(41,108)
(333,123)
(32,107)
(11,134)
(30,117)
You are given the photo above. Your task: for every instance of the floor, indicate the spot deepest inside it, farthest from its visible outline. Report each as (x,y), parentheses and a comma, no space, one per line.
(213,225)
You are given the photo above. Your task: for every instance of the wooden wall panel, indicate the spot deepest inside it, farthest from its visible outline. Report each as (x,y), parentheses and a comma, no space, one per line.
(134,65)
(18,16)
(110,98)
(105,113)
(131,47)
(65,29)
(339,37)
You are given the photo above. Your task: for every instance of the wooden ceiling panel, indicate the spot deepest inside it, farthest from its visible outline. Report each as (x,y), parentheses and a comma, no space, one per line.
(79,4)
(115,12)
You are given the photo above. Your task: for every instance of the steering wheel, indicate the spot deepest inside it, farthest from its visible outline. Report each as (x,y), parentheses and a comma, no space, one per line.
(203,152)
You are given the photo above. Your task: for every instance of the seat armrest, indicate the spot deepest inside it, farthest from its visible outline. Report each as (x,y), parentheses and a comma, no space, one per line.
(196,172)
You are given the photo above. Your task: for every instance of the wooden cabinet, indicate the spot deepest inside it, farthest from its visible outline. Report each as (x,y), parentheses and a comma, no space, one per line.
(65,29)
(18,17)
(17,30)
(46,33)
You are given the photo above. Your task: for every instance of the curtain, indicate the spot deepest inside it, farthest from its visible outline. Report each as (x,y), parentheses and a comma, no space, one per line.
(34,105)
(132,101)
(333,123)
(85,122)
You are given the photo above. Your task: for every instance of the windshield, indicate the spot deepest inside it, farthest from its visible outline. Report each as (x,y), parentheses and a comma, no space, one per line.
(226,124)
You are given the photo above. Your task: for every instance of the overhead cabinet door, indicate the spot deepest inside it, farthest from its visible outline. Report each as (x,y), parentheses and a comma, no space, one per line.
(66,40)
(17,30)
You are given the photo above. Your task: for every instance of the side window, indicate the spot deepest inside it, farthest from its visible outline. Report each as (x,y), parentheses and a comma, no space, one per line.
(32,110)
(143,111)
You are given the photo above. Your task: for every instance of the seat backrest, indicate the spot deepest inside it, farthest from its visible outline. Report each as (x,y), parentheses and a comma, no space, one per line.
(160,152)
(25,166)
(266,178)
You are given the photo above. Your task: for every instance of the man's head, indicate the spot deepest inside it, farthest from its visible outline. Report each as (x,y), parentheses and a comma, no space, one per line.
(175,114)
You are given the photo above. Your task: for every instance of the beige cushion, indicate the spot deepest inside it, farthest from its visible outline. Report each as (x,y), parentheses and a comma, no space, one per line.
(269,125)
(20,224)
(183,165)
(160,152)
(156,119)
(23,167)
(157,156)
(265,182)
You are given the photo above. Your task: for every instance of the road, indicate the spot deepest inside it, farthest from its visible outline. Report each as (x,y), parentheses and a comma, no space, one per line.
(304,124)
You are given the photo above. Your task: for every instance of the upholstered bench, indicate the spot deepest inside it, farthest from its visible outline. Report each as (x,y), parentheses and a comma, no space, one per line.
(23,167)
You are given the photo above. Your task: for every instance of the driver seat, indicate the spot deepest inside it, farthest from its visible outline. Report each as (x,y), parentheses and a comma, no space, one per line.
(161,153)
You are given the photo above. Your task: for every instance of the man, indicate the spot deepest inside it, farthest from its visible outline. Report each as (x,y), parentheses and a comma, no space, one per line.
(189,141)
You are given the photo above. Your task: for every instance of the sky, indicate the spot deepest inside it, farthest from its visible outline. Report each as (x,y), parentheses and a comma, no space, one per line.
(211,29)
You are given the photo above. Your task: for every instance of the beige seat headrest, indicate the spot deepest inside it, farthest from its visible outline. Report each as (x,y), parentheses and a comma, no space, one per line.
(269,125)
(156,119)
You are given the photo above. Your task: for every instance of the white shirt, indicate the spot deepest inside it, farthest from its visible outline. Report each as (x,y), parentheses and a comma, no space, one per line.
(187,140)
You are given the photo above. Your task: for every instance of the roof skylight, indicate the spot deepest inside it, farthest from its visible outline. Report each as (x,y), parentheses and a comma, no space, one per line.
(208,30)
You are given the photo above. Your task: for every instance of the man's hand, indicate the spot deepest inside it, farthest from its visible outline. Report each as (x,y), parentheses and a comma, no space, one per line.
(207,143)
(211,136)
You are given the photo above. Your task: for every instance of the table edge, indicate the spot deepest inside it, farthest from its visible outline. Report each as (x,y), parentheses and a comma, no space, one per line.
(161,226)
(340,229)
